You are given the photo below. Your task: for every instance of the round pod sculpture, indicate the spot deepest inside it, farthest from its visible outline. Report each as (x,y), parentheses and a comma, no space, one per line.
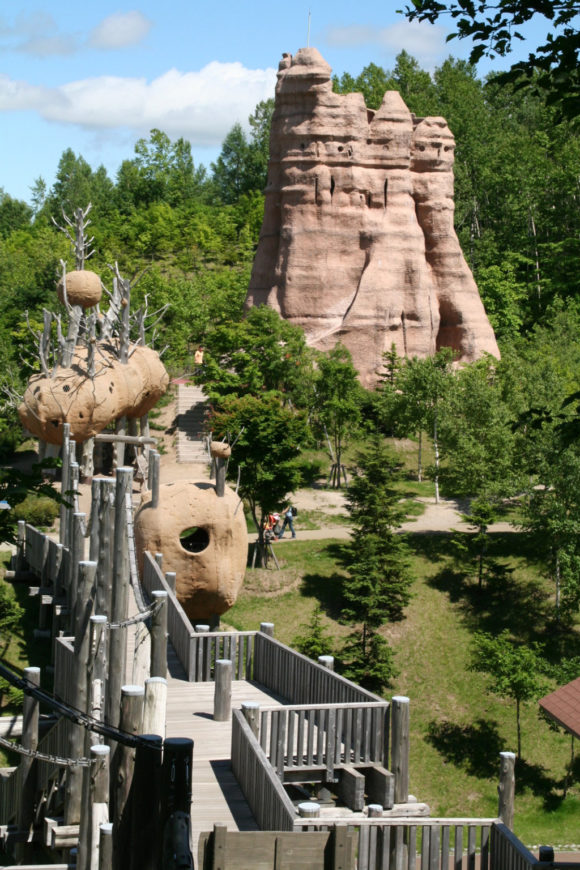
(82,288)
(204,540)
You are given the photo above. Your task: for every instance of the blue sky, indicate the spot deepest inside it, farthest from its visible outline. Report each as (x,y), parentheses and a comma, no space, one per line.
(95,77)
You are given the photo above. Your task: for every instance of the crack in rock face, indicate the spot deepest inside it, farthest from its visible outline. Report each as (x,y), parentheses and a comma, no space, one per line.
(358,243)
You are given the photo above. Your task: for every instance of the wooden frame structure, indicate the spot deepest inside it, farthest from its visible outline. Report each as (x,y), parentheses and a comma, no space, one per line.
(329,732)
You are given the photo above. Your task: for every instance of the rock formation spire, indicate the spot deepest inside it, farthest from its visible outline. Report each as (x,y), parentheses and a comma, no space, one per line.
(357,243)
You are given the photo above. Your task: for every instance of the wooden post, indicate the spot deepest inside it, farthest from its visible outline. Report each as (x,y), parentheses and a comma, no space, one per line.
(220,476)
(222,707)
(375,811)
(267,628)
(65,485)
(309,810)
(106,846)
(131,718)
(251,711)
(507,788)
(154,473)
(159,560)
(400,747)
(77,555)
(155,706)
(30,720)
(176,803)
(118,640)
(159,636)
(101,540)
(59,575)
(145,845)
(122,769)
(171,580)
(74,475)
(326,662)
(97,665)
(78,691)
(97,811)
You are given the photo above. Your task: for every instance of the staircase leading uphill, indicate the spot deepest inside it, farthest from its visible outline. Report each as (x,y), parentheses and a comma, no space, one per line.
(192,407)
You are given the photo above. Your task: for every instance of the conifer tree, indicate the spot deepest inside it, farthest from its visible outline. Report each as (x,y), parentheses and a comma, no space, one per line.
(378,588)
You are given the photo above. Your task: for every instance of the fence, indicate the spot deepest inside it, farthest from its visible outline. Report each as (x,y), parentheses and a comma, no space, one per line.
(324,735)
(301,680)
(198,652)
(271,806)
(428,844)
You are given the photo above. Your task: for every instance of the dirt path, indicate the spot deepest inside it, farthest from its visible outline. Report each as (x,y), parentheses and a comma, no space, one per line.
(445,516)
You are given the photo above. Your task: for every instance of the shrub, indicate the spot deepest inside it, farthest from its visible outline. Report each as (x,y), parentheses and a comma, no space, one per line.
(37,510)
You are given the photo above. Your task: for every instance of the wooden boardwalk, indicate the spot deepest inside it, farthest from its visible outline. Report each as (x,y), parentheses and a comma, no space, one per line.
(216,796)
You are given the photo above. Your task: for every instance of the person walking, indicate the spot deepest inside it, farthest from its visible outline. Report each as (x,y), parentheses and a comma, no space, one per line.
(288,521)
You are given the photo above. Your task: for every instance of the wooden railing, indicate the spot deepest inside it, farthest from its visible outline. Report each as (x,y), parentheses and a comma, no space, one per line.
(179,627)
(37,550)
(431,844)
(271,806)
(9,792)
(301,680)
(209,647)
(198,653)
(507,852)
(324,735)
(54,742)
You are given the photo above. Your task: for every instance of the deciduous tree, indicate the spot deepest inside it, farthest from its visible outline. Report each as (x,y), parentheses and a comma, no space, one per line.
(514,670)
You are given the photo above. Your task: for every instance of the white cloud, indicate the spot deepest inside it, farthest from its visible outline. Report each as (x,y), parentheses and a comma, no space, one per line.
(120,30)
(424,41)
(36,33)
(201,106)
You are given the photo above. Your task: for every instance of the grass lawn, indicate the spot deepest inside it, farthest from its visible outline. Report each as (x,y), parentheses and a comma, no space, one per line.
(458,726)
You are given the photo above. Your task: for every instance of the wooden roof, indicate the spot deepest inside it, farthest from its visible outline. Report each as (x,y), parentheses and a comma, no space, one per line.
(563,706)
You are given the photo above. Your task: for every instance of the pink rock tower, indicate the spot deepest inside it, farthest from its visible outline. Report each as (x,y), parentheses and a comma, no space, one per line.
(357,243)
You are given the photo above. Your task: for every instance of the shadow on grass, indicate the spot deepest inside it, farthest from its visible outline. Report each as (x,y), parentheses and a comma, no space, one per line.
(533,777)
(433,546)
(327,588)
(475,748)
(518,602)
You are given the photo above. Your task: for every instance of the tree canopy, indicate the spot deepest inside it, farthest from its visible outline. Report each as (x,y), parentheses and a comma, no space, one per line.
(551,67)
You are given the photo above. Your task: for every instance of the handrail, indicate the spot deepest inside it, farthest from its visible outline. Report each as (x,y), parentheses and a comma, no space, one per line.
(264,792)
(507,852)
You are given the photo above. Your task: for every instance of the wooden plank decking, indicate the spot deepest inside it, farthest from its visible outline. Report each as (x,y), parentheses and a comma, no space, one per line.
(216,796)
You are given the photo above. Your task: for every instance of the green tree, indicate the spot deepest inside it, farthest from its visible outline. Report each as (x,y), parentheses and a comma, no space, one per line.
(260,353)
(423,385)
(240,167)
(76,185)
(477,448)
(552,512)
(378,586)
(14,214)
(514,670)
(267,438)
(338,401)
(313,640)
(551,67)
